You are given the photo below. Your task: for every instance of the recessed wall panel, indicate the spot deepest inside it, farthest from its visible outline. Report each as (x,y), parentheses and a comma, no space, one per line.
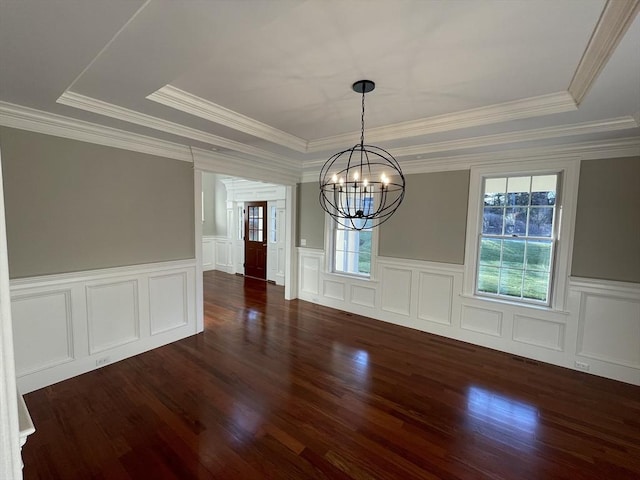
(42,330)
(207,254)
(334,290)
(610,329)
(112,315)
(434,300)
(538,332)
(364,296)
(310,273)
(167,302)
(482,320)
(396,290)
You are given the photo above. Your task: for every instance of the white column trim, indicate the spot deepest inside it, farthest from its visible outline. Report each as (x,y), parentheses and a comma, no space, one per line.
(197,196)
(11,465)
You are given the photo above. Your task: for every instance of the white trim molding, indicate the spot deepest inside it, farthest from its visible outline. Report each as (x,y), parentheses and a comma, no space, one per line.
(537,134)
(226,164)
(72,323)
(17,116)
(11,436)
(189,103)
(559,102)
(566,211)
(616,148)
(100,107)
(614,21)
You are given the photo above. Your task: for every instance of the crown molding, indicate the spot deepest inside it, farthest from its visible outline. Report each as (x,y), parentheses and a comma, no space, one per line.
(24,118)
(526,108)
(625,147)
(546,133)
(586,128)
(100,107)
(225,164)
(186,102)
(614,21)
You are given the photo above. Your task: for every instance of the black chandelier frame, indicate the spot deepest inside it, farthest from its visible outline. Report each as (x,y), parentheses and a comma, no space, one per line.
(362,186)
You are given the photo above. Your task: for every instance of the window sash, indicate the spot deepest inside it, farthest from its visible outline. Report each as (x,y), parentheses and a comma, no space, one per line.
(347,254)
(511,289)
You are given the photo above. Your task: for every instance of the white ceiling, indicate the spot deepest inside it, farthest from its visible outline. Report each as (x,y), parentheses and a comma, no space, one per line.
(270,80)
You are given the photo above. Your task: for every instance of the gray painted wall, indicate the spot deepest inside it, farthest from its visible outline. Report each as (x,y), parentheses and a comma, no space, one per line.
(431,222)
(73,206)
(607,234)
(208,191)
(310,217)
(220,207)
(429,225)
(215,205)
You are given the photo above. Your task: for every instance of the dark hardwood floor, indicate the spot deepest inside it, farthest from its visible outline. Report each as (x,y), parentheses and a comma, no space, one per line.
(292,390)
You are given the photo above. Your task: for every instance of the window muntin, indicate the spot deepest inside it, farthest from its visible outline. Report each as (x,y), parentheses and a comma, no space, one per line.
(274,225)
(255,232)
(517,237)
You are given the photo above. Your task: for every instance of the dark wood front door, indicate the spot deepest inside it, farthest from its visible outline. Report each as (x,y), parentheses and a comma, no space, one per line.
(255,240)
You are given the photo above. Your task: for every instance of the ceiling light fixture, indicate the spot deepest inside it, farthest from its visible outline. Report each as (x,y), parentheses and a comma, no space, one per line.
(361,187)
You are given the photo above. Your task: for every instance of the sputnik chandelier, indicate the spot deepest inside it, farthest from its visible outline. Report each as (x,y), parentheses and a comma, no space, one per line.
(361,187)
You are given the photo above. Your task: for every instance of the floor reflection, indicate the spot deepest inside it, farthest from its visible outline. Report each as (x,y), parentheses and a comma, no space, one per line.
(353,362)
(254,329)
(501,418)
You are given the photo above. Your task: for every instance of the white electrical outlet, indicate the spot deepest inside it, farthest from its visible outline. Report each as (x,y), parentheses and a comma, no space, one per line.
(582,366)
(102,361)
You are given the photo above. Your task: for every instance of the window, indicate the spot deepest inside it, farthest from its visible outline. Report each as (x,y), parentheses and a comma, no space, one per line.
(240,223)
(352,249)
(519,232)
(255,217)
(517,237)
(274,224)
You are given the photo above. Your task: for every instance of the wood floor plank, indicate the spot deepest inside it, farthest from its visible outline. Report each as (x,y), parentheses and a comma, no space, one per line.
(293,390)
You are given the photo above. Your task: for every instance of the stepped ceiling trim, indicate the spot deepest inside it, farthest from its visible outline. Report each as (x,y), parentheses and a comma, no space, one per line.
(186,102)
(616,18)
(120,113)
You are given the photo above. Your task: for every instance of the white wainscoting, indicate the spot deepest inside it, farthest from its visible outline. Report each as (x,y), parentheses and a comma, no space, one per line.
(224,254)
(608,327)
(599,331)
(217,254)
(208,253)
(69,324)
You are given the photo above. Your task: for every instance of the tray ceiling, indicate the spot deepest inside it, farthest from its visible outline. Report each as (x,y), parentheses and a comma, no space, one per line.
(270,80)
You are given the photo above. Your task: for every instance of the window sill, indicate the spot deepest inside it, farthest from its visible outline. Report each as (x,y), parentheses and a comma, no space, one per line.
(529,306)
(353,277)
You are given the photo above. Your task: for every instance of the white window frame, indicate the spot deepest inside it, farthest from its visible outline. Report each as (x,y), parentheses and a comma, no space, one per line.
(569,170)
(330,242)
